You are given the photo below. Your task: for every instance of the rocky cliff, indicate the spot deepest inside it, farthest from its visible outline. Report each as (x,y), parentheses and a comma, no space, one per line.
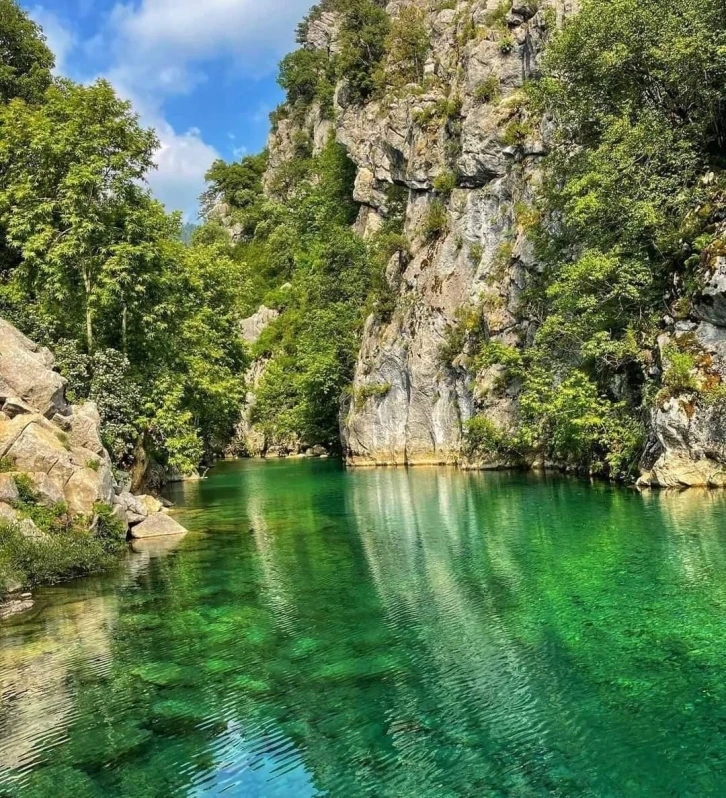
(456,147)
(460,148)
(55,450)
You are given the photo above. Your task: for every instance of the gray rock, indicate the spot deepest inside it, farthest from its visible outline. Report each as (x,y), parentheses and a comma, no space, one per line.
(134,509)
(253,327)
(157,525)
(8,514)
(30,530)
(25,373)
(710,306)
(8,489)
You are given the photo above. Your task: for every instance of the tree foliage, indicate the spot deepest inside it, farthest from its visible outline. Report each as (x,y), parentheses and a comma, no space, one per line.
(25,59)
(636,92)
(144,324)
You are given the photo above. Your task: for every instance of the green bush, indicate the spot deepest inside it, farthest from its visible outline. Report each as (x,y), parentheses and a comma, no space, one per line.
(445,183)
(488,90)
(483,439)
(60,555)
(506,44)
(435,222)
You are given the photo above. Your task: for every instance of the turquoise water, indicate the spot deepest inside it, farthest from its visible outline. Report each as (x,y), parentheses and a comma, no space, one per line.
(388,634)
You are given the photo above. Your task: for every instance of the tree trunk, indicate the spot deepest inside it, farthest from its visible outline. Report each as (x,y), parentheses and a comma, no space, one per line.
(124,330)
(89,313)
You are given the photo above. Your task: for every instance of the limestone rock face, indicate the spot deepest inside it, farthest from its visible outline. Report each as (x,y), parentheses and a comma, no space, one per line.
(687,446)
(254,326)
(407,405)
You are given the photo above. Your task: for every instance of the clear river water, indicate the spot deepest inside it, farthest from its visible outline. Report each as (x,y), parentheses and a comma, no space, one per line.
(387,634)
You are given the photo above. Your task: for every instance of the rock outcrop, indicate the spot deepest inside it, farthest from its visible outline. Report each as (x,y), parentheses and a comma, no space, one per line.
(56,447)
(687,446)
(460,150)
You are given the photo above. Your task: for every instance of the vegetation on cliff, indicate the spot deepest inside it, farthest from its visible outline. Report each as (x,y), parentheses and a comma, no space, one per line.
(626,221)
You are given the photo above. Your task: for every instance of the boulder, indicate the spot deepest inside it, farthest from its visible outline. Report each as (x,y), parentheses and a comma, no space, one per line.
(30,530)
(16,407)
(157,526)
(152,504)
(48,491)
(88,487)
(25,373)
(8,489)
(84,429)
(134,509)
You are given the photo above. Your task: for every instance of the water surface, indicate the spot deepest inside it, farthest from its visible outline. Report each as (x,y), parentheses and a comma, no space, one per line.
(387,634)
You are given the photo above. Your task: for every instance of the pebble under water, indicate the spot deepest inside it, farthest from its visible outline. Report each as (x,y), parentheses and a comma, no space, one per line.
(389,634)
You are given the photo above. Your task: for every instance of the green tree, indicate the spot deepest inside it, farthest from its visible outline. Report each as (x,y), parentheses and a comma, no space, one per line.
(636,90)
(70,200)
(25,60)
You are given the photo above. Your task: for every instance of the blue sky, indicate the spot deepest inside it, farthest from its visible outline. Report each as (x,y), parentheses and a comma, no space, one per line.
(202,72)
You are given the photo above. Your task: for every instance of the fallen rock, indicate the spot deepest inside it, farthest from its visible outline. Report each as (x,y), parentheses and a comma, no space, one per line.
(25,372)
(134,509)
(156,526)
(29,530)
(119,513)
(16,407)
(8,515)
(84,429)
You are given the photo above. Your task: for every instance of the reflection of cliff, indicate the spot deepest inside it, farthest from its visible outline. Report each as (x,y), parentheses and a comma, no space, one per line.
(427,543)
(36,699)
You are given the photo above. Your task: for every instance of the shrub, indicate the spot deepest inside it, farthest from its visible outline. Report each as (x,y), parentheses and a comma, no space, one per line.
(445,183)
(517,133)
(363,35)
(59,556)
(26,489)
(407,46)
(506,44)
(488,90)
(6,465)
(484,439)
(679,375)
(468,327)
(365,392)
(435,222)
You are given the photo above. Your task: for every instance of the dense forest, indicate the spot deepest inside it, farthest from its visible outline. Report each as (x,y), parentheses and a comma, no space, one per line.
(144,319)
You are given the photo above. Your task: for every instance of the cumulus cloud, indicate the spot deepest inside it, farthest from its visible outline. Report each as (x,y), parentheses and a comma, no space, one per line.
(182,161)
(157,49)
(189,30)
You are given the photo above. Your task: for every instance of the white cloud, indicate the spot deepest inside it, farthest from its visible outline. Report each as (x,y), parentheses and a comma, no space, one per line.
(60,39)
(178,31)
(156,49)
(182,160)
